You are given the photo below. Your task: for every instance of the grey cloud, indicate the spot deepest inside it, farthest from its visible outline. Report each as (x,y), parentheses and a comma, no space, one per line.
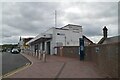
(119,18)
(97,15)
(32,18)
(30,13)
(13,39)
(38,11)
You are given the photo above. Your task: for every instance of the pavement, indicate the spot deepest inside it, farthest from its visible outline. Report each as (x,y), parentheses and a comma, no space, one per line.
(58,67)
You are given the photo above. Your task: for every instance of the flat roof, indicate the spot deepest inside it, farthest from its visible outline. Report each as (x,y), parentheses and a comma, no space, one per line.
(72,25)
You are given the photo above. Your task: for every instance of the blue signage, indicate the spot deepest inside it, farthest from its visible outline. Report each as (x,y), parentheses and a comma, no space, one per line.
(81,43)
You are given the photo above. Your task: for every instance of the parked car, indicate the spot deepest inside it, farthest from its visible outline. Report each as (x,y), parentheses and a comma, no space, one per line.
(15,51)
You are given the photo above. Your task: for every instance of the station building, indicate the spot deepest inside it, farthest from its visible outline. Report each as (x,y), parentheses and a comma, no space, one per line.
(56,37)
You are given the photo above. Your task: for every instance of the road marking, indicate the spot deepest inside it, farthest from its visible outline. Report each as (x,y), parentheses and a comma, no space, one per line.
(19,69)
(16,70)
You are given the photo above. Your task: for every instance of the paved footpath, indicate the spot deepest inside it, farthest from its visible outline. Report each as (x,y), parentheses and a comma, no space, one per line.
(58,67)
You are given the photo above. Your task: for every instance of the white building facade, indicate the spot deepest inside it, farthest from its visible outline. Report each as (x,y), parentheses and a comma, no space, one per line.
(55,37)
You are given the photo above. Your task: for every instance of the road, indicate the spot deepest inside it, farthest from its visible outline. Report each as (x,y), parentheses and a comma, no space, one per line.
(11,62)
(0,64)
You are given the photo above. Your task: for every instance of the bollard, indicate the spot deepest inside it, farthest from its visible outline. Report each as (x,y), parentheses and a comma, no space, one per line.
(44,56)
(40,53)
(36,53)
(33,53)
(30,53)
(60,51)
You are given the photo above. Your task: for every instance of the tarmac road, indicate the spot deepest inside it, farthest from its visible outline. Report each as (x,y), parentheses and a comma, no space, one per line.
(0,64)
(11,62)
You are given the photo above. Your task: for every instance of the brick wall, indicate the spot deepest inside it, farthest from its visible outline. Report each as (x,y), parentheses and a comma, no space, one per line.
(69,51)
(105,56)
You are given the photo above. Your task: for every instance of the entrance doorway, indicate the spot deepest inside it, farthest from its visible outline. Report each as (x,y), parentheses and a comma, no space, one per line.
(36,47)
(48,47)
(43,46)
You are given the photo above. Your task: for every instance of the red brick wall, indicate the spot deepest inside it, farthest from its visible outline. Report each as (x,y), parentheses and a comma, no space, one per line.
(69,51)
(106,58)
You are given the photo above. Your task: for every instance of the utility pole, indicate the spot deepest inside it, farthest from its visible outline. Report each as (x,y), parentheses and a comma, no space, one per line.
(55,18)
(54,31)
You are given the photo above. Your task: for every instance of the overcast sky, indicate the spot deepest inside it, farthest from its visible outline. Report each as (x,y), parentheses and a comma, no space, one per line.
(32,18)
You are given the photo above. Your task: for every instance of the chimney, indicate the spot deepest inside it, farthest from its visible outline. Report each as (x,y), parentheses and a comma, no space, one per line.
(105,32)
